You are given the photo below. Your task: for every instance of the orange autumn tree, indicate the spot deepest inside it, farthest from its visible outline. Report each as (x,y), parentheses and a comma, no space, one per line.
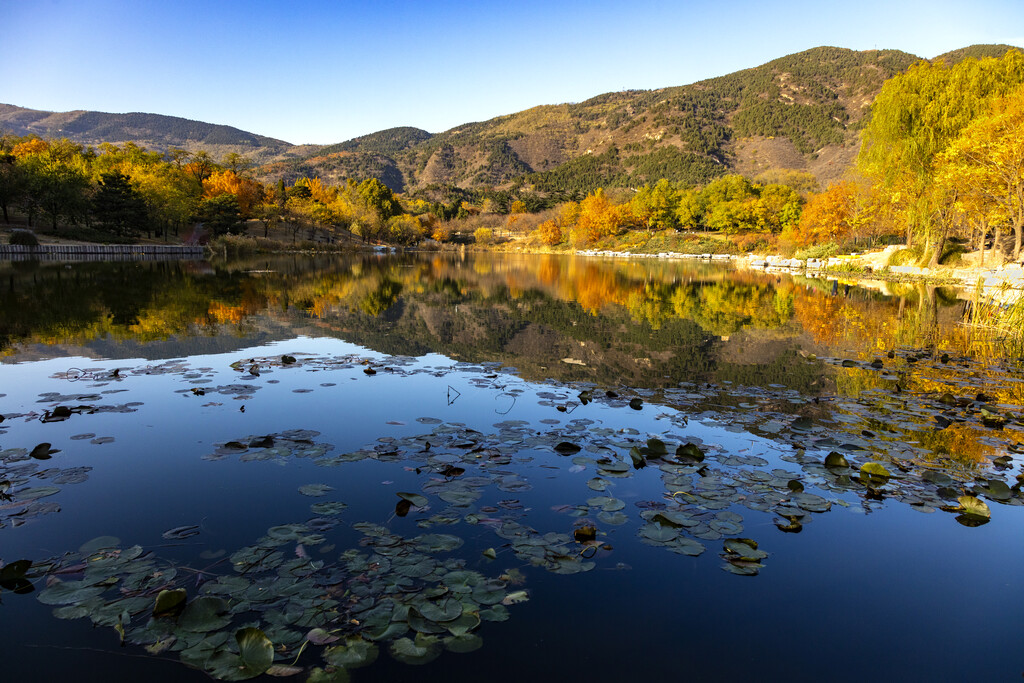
(827,217)
(30,147)
(248,191)
(598,218)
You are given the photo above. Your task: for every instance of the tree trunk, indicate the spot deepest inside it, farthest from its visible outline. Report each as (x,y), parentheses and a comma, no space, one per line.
(983,229)
(995,241)
(1018,228)
(937,254)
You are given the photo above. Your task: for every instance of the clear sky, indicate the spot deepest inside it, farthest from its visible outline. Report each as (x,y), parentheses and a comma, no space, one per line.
(325,71)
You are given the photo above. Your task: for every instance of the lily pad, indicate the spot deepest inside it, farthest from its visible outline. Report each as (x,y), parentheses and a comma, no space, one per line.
(315,490)
(255,650)
(205,614)
(416,499)
(354,653)
(874,474)
(423,650)
(974,507)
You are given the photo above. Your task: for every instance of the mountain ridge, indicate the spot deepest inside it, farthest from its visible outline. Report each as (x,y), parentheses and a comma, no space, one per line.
(798,112)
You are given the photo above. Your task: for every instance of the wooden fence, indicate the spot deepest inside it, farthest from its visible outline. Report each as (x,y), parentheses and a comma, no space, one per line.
(99,252)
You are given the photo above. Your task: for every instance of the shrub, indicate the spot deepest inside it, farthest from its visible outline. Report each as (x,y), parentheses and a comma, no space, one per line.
(24,238)
(442,233)
(549,233)
(483,236)
(905,257)
(819,251)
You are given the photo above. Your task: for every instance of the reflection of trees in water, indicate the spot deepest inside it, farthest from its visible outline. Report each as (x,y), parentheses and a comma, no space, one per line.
(382,298)
(645,307)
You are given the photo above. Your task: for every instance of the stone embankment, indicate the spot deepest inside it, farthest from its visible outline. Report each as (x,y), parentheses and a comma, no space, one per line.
(873,265)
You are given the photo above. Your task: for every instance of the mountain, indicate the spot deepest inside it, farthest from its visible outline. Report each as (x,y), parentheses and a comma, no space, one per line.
(153,131)
(801,112)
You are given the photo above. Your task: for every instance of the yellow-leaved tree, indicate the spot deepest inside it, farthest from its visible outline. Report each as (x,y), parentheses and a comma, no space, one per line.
(985,165)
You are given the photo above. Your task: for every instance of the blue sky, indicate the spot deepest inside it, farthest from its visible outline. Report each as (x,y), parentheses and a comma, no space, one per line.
(324,72)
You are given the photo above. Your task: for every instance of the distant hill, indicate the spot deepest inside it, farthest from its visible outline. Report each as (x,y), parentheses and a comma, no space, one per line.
(800,112)
(153,131)
(974,51)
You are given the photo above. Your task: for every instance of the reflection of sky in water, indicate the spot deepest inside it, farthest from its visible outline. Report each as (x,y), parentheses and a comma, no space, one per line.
(895,593)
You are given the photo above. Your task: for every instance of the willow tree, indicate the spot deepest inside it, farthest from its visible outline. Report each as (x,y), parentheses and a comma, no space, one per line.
(915,117)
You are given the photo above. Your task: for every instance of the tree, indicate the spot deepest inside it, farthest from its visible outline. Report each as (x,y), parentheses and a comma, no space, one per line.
(220,214)
(549,233)
(13,182)
(781,206)
(827,217)
(200,165)
(236,163)
(59,181)
(985,165)
(916,116)
(247,191)
(118,206)
(655,205)
(379,198)
(598,218)
(171,194)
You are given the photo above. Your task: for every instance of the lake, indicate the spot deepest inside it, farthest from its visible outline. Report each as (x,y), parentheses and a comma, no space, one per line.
(458,467)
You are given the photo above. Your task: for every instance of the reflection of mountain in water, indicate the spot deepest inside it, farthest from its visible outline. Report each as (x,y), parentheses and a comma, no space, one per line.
(571,319)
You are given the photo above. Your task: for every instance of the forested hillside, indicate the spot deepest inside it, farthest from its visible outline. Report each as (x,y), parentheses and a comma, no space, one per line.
(799,112)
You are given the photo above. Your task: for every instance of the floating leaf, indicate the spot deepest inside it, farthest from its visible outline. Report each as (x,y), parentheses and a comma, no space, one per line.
(515,597)
(690,452)
(255,650)
(204,614)
(423,650)
(837,460)
(37,492)
(445,609)
(637,458)
(69,593)
(319,636)
(333,508)
(463,643)
(12,577)
(282,671)
(354,653)
(43,451)
(655,448)
(744,549)
(636,403)
(169,602)
(874,474)
(567,448)
(181,532)
(328,675)
(414,499)
(315,490)
(974,507)
(658,533)
(99,543)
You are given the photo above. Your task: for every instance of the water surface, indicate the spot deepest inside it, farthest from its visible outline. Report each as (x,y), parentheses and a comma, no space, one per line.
(508,466)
